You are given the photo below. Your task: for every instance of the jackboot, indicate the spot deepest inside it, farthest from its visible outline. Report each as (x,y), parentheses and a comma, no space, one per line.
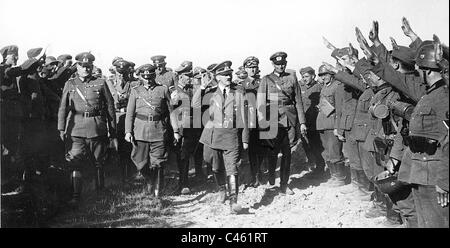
(183,177)
(233,189)
(339,174)
(284,177)
(159,182)
(99,179)
(393,219)
(378,208)
(272,166)
(352,187)
(76,185)
(150,179)
(222,187)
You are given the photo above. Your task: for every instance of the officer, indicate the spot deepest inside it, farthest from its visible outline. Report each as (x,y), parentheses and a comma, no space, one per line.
(146,127)
(121,90)
(311,142)
(91,122)
(242,75)
(325,124)
(201,99)
(426,129)
(226,132)
(163,75)
(256,152)
(190,131)
(290,114)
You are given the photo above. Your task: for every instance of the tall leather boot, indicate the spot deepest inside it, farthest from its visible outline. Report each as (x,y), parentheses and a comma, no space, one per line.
(76,184)
(150,179)
(183,170)
(393,218)
(220,180)
(255,162)
(99,178)
(339,174)
(272,159)
(233,189)
(284,177)
(378,208)
(159,182)
(354,184)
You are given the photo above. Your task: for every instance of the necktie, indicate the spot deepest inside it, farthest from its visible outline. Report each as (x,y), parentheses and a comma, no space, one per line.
(224,94)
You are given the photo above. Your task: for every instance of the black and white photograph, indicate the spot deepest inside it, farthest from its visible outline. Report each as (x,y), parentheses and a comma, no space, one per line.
(212,114)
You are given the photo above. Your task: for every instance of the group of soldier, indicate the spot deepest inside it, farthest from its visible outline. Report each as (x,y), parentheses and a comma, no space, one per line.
(377,126)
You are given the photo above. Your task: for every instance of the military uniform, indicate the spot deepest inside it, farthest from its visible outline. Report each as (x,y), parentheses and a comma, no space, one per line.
(325,124)
(120,88)
(290,114)
(164,76)
(146,119)
(189,130)
(426,164)
(92,119)
(225,131)
(310,98)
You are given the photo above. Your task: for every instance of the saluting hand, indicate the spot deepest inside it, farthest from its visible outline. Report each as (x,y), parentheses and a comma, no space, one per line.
(328,44)
(394,43)
(373,34)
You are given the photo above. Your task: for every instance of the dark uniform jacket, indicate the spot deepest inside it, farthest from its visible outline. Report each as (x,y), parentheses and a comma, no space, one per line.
(251,91)
(227,127)
(310,99)
(188,117)
(90,119)
(328,93)
(11,100)
(290,104)
(382,95)
(426,121)
(148,112)
(166,78)
(346,101)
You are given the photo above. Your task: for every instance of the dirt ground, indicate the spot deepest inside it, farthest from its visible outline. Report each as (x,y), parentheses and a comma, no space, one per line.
(314,204)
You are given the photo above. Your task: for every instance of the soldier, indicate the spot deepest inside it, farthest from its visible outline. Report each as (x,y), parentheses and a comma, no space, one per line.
(12,112)
(290,114)
(190,131)
(426,130)
(225,132)
(310,98)
(325,124)
(163,75)
(256,152)
(146,127)
(121,89)
(91,121)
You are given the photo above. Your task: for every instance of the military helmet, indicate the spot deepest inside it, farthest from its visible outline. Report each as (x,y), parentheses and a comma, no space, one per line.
(389,183)
(425,57)
(323,70)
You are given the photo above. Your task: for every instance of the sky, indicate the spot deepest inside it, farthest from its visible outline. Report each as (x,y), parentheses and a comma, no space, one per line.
(211,31)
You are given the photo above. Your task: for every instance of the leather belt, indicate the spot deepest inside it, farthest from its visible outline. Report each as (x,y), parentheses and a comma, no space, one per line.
(87,114)
(419,144)
(148,117)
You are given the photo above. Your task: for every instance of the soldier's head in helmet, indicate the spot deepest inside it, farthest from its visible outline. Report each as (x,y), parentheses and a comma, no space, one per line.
(123,68)
(223,73)
(279,62)
(325,75)
(427,64)
(85,64)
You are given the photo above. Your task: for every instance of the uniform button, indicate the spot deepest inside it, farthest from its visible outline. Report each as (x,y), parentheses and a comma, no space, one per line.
(424,158)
